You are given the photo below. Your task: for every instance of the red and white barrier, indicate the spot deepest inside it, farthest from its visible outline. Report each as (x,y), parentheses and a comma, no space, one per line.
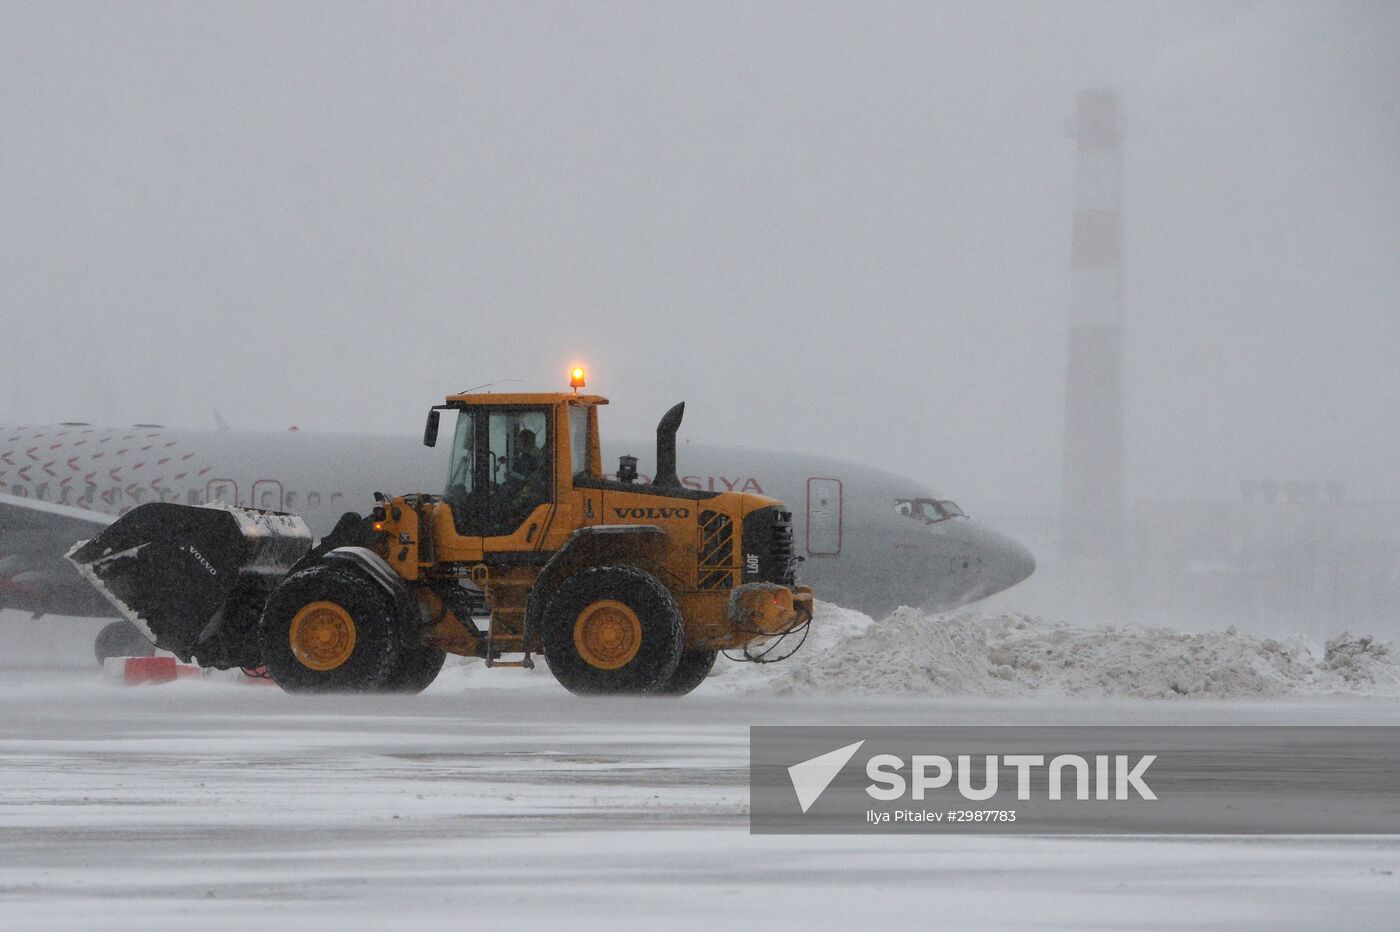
(163,668)
(131,671)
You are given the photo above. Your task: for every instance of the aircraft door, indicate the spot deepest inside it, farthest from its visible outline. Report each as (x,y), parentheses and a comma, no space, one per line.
(267,495)
(824,516)
(221,490)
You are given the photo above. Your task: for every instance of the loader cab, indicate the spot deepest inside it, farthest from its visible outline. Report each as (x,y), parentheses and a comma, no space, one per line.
(500,469)
(512,457)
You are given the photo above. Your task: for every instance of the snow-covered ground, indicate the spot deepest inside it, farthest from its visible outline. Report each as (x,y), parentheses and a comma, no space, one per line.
(497,800)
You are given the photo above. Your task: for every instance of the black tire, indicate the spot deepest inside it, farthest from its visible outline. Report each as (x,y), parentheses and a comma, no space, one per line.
(417,668)
(662,632)
(121,639)
(695,665)
(376,650)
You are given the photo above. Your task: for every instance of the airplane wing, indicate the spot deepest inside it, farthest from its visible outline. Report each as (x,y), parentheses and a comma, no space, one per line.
(26,514)
(34,576)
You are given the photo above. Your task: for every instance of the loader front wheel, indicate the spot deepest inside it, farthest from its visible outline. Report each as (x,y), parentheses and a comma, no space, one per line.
(329,629)
(695,665)
(613,629)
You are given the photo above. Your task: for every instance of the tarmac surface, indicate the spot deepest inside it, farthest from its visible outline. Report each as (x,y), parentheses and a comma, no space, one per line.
(514,804)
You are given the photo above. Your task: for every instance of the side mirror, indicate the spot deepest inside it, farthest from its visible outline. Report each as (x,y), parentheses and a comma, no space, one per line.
(430,430)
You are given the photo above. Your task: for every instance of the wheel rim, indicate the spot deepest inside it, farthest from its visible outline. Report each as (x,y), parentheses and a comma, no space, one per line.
(322,636)
(608,634)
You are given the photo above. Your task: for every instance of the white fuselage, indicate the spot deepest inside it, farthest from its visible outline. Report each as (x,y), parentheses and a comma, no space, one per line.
(859,549)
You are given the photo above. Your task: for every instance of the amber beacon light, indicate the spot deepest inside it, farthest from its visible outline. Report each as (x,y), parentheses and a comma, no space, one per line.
(576,378)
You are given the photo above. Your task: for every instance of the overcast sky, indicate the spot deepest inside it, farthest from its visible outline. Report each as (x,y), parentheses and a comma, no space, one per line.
(839,228)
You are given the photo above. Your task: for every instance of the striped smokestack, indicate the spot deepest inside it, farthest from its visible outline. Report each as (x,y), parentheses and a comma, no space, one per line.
(1093,489)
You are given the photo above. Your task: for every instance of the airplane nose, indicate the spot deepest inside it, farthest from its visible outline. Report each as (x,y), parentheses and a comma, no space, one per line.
(973,563)
(1021,563)
(1011,562)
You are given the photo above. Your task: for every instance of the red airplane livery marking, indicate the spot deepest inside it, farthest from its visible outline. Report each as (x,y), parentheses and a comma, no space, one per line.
(707,483)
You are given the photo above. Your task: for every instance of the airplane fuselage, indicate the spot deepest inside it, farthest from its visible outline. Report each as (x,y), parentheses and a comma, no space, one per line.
(861,546)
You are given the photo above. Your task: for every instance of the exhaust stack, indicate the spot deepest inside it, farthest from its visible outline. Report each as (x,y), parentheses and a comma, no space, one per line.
(666,477)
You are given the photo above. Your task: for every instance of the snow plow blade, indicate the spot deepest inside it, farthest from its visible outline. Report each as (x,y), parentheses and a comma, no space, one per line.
(172,569)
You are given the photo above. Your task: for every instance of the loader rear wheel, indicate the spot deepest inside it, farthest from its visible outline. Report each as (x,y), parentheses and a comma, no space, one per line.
(695,665)
(417,669)
(613,629)
(328,629)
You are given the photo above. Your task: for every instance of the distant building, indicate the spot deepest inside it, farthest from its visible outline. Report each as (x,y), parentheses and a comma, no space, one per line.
(1294,559)
(1092,524)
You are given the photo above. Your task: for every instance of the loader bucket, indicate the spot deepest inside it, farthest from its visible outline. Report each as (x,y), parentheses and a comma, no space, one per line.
(170,568)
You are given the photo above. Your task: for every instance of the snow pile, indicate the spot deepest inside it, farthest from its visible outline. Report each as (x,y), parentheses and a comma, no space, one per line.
(967,654)
(1360,660)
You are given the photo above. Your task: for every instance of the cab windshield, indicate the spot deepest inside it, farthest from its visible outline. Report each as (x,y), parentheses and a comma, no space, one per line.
(927,510)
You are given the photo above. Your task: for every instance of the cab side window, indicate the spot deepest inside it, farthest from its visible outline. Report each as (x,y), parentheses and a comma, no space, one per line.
(578,440)
(519,467)
(501,469)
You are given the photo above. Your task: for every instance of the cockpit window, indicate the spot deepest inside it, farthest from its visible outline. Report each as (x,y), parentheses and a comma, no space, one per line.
(927,510)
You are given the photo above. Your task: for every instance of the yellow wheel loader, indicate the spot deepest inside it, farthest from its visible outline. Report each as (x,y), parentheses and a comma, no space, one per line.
(623,586)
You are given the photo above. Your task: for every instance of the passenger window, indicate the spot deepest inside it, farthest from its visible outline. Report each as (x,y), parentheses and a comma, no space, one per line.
(292,502)
(313,499)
